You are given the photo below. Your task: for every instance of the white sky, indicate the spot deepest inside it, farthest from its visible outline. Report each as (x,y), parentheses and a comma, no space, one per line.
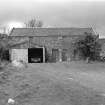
(59,13)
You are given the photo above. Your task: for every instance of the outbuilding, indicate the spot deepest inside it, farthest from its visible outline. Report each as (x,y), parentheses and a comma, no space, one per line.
(37,45)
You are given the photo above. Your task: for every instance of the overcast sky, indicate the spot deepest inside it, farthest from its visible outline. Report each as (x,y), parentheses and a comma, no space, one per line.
(61,13)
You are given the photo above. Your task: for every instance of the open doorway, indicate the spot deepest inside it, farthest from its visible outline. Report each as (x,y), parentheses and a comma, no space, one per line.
(35,55)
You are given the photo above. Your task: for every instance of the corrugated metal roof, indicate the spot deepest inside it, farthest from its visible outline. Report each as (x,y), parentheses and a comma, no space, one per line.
(50,31)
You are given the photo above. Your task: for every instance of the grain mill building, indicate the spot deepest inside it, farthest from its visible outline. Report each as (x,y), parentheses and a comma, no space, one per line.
(44,44)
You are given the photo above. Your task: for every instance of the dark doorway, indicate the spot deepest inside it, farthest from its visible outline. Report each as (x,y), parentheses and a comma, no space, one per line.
(5,55)
(35,55)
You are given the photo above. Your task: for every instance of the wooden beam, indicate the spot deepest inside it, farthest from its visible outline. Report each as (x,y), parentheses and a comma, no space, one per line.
(60,55)
(43,54)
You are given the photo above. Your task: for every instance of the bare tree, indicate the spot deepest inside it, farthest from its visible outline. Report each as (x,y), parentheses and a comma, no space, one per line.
(34,23)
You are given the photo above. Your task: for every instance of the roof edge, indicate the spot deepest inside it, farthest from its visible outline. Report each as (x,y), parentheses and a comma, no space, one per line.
(90,28)
(54,28)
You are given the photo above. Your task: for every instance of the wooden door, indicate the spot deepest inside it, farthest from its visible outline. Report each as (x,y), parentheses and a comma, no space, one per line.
(55,55)
(19,55)
(64,55)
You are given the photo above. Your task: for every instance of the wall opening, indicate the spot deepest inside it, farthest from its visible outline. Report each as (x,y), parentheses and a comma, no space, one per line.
(35,55)
(6,55)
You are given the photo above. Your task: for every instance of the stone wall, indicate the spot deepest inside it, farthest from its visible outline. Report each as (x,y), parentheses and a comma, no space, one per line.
(63,44)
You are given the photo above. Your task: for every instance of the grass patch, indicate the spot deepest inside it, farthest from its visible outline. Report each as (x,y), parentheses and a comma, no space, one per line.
(44,84)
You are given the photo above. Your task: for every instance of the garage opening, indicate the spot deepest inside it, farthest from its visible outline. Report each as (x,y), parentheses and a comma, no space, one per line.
(35,55)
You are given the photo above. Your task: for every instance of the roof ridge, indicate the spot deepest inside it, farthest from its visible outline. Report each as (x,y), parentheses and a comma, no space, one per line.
(55,28)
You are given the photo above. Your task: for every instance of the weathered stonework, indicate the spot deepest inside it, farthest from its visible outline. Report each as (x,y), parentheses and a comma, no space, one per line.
(62,44)
(58,47)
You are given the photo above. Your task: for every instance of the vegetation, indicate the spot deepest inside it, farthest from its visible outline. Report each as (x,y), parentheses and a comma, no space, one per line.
(87,48)
(34,23)
(4,46)
(54,84)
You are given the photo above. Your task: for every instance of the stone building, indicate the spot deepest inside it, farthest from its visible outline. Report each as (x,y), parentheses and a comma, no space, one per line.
(44,44)
(102,43)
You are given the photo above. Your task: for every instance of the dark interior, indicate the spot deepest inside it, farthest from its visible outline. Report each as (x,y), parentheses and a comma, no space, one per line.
(5,55)
(35,55)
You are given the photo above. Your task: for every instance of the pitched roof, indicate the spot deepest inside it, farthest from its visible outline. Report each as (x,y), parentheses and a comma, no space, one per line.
(50,31)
